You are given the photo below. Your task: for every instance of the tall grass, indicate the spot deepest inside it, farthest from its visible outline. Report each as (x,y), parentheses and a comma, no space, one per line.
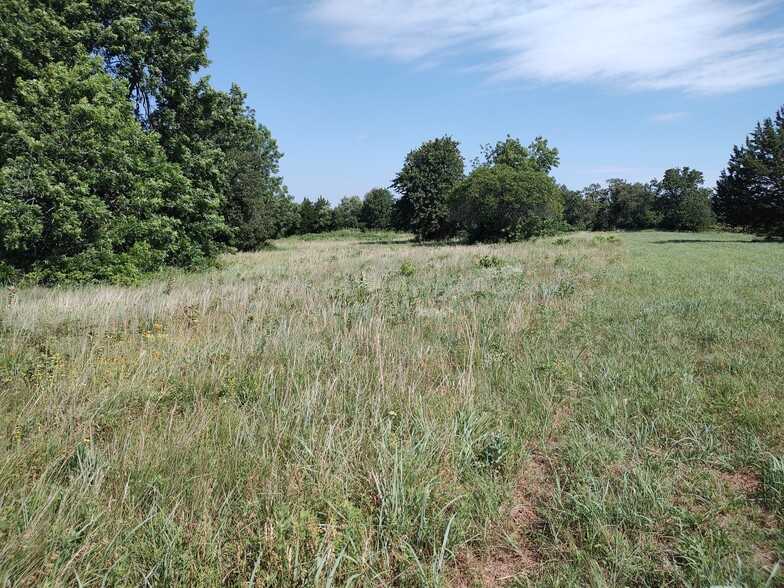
(339,412)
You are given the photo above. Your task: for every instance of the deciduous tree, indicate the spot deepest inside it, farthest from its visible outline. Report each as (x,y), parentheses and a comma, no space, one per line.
(683,203)
(428,174)
(347,213)
(377,209)
(85,194)
(504,203)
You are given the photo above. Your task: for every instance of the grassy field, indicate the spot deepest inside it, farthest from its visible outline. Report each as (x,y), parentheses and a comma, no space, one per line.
(592,410)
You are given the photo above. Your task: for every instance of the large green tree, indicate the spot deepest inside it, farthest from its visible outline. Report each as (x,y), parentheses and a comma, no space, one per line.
(307,216)
(598,208)
(347,213)
(324,217)
(428,175)
(750,192)
(573,207)
(377,209)
(153,50)
(218,128)
(85,194)
(632,205)
(683,203)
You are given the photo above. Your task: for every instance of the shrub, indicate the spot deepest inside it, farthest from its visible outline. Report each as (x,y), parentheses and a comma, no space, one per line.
(407,269)
(502,203)
(488,261)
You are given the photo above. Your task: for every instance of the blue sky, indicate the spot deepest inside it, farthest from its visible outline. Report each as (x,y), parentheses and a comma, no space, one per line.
(623,88)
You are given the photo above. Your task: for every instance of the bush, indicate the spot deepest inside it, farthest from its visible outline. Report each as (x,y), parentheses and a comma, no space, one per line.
(502,203)
(488,261)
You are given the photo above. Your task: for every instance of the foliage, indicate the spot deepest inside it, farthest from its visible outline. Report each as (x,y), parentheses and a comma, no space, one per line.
(347,214)
(632,205)
(287,215)
(505,203)
(34,34)
(324,219)
(494,451)
(750,192)
(377,209)
(677,202)
(307,217)
(598,208)
(220,185)
(536,157)
(85,194)
(154,46)
(574,213)
(247,160)
(488,261)
(407,269)
(682,202)
(428,175)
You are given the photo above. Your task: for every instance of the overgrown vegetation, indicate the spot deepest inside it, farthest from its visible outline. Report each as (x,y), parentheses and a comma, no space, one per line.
(602,410)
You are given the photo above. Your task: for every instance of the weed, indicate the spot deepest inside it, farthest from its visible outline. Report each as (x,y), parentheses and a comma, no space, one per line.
(407,269)
(494,450)
(771,488)
(488,261)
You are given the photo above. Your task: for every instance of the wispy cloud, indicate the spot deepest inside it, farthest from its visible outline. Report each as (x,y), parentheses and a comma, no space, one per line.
(700,46)
(669,117)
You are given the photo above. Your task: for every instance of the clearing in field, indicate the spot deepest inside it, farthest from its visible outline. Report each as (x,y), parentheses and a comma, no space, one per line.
(601,410)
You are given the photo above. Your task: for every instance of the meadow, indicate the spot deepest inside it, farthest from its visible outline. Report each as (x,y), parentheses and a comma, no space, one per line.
(587,410)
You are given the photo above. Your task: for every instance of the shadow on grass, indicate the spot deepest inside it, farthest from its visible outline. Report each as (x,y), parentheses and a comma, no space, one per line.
(450,243)
(387,242)
(670,241)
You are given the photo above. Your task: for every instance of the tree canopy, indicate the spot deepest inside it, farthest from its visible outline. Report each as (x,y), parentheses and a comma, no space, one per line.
(428,174)
(750,192)
(538,156)
(377,209)
(505,203)
(682,201)
(114,159)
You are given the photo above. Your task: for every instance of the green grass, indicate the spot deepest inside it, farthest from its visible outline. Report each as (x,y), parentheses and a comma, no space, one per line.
(369,412)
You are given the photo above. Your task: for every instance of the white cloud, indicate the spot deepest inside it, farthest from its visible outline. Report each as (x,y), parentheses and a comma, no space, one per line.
(669,117)
(700,46)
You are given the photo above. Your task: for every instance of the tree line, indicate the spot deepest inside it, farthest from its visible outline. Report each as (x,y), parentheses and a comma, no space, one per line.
(510,195)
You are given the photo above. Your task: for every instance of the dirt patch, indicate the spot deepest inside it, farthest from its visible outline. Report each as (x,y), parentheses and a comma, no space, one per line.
(563,414)
(508,553)
(742,481)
